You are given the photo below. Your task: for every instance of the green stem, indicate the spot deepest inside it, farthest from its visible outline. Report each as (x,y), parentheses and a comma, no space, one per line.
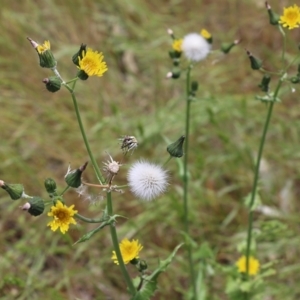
(185,181)
(169,158)
(113,231)
(115,241)
(64,190)
(284,43)
(88,220)
(94,163)
(256,174)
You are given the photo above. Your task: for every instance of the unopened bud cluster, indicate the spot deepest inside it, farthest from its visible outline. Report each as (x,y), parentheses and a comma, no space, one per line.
(35,205)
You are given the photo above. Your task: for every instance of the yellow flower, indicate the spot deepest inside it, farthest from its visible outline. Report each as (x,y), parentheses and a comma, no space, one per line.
(62,217)
(291,17)
(177,45)
(92,63)
(205,34)
(42,48)
(253,265)
(129,251)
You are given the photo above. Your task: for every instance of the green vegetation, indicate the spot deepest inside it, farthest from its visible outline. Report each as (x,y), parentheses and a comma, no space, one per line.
(40,137)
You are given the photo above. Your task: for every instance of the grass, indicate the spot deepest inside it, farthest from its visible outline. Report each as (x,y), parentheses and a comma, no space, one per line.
(40,137)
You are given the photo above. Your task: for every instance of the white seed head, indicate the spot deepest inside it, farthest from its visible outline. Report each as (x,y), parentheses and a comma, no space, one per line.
(146,180)
(111,167)
(195,47)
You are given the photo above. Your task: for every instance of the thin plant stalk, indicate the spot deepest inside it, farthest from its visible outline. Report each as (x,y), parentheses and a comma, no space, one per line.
(94,163)
(256,174)
(114,237)
(113,231)
(185,181)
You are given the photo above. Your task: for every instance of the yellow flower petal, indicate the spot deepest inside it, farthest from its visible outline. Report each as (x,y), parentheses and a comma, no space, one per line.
(177,45)
(253,265)
(44,47)
(129,251)
(92,63)
(290,17)
(205,34)
(62,217)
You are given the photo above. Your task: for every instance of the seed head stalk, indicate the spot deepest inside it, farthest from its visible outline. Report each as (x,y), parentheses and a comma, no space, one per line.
(185,180)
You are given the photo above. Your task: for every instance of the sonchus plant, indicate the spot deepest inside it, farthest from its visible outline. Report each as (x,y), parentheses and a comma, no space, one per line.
(146,180)
(246,279)
(195,48)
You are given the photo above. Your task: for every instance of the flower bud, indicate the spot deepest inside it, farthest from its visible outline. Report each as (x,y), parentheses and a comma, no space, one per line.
(175,55)
(264,85)
(46,57)
(273,17)
(15,191)
(142,265)
(135,261)
(35,206)
(226,47)
(53,84)
(255,62)
(75,57)
(50,185)
(176,149)
(73,178)
(176,72)
(194,86)
(171,33)
(295,79)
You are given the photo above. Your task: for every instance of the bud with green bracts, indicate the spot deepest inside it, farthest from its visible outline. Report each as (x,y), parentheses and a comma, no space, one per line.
(176,149)
(15,190)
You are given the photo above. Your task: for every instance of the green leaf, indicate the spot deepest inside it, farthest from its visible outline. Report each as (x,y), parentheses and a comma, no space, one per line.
(268,98)
(256,203)
(200,283)
(88,235)
(149,285)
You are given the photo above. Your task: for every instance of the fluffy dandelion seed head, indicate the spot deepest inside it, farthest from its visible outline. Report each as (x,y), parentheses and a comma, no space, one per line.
(42,48)
(253,265)
(195,47)
(146,180)
(62,217)
(129,251)
(92,63)
(290,17)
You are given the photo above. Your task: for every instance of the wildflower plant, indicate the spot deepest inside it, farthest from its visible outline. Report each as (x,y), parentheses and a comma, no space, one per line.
(146,180)
(195,47)
(249,284)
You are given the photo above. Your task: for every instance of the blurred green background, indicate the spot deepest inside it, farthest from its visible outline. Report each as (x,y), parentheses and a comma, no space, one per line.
(40,138)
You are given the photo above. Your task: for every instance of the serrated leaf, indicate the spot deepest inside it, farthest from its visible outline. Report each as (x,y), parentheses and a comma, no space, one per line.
(256,203)
(88,235)
(150,282)
(268,98)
